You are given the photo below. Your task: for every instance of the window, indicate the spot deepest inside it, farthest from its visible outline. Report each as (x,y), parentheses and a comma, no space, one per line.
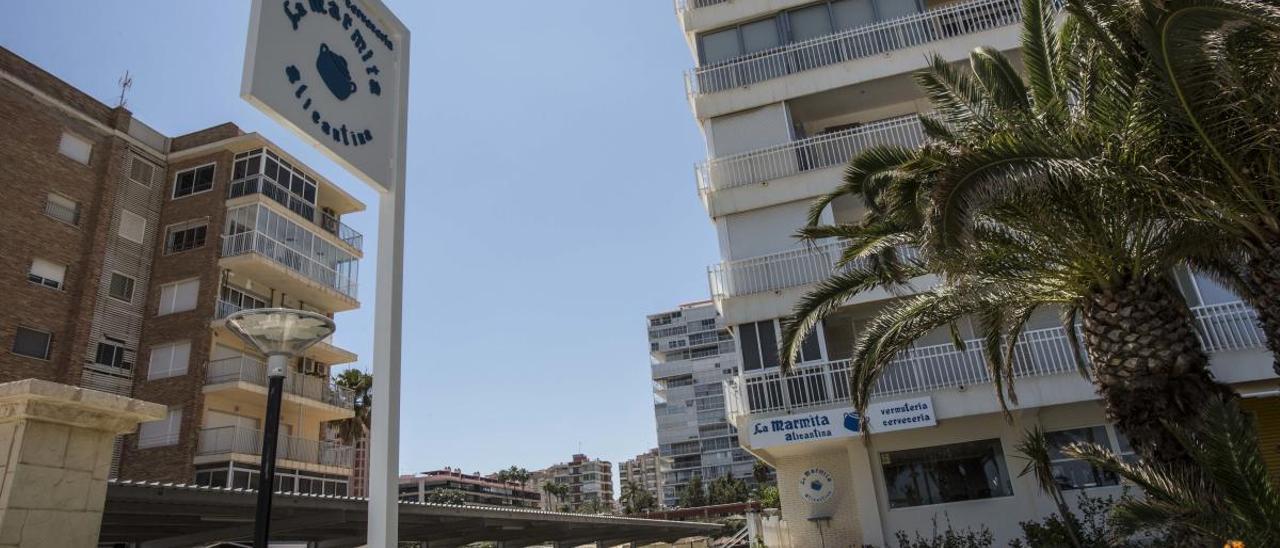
(760,345)
(186,236)
(141,171)
(178,297)
(111,354)
(133,227)
(1071,473)
(62,209)
(32,343)
(121,287)
(948,473)
(47,273)
(193,181)
(162,432)
(76,148)
(169,360)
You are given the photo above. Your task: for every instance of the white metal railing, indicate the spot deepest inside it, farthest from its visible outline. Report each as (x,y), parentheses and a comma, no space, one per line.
(260,184)
(225,309)
(942,23)
(777,271)
(69,215)
(817,152)
(686,5)
(258,242)
(234,439)
(250,370)
(1227,326)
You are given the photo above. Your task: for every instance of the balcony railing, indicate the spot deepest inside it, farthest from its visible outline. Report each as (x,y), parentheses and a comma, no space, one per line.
(252,371)
(913,30)
(260,184)
(779,270)
(233,439)
(686,5)
(258,242)
(1229,326)
(818,152)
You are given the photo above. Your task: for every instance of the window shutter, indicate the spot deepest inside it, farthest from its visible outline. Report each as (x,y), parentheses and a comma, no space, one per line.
(133,227)
(169,360)
(75,148)
(179,297)
(48,270)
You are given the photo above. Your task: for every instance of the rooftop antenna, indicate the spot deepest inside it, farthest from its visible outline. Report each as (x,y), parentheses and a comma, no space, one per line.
(125,82)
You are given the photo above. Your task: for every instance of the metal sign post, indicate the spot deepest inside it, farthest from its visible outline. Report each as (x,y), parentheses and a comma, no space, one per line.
(336,72)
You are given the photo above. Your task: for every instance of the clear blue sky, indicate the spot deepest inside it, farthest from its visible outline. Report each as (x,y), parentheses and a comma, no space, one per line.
(551,200)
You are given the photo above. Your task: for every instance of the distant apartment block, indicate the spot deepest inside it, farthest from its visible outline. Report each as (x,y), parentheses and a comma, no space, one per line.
(588,480)
(474,488)
(645,470)
(126,249)
(692,355)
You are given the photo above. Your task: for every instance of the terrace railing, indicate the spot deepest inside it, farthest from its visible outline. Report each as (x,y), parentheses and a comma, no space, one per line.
(247,369)
(778,271)
(260,184)
(946,22)
(246,441)
(254,241)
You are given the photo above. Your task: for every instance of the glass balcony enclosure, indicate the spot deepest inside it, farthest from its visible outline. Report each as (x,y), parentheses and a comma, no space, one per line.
(262,171)
(255,228)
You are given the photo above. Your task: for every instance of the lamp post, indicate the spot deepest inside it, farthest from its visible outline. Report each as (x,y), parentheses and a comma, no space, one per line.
(280,334)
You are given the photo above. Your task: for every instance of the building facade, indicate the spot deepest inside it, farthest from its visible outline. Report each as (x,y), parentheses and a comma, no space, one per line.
(589,481)
(473,488)
(692,355)
(131,247)
(645,470)
(785,92)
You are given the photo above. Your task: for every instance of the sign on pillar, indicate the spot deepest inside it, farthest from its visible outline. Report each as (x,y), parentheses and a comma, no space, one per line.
(336,72)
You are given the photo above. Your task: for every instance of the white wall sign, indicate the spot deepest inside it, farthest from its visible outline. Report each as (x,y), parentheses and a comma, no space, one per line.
(817,486)
(891,416)
(335,71)
(818,425)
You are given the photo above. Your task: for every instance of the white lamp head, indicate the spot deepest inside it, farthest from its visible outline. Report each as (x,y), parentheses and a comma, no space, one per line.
(280,331)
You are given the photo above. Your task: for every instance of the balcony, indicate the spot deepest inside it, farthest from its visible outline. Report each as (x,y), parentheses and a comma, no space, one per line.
(248,370)
(686,5)
(229,440)
(1222,327)
(289,253)
(778,271)
(934,25)
(260,184)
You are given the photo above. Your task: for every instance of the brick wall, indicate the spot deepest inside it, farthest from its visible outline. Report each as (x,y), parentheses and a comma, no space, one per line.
(174,463)
(32,169)
(843,529)
(205,136)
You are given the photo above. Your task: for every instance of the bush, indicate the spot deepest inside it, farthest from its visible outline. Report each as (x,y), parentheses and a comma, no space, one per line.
(950,538)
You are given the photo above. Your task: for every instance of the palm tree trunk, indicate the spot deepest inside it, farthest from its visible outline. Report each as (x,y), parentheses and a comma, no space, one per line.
(1149,365)
(1264,279)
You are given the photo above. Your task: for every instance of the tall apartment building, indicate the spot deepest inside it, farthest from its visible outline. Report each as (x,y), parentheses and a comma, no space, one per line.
(692,355)
(125,249)
(785,92)
(474,488)
(589,480)
(645,470)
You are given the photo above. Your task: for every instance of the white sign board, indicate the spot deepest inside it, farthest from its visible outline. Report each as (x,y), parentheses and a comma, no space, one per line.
(335,71)
(891,416)
(817,486)
(789,429)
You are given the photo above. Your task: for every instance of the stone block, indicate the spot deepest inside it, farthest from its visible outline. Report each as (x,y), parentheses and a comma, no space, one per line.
(11,522)
(60,529)
(83,448)
(97,496)
(44,443)
(42,487)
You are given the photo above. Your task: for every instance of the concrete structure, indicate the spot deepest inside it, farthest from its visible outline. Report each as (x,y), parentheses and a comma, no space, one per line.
(786,91)
(57,441)
(340,522)
(646,470)
(692,355)
(125,248)
(474,488)
(589,480)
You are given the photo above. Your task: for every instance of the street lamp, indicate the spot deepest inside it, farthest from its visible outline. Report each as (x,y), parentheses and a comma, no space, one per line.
(280,334)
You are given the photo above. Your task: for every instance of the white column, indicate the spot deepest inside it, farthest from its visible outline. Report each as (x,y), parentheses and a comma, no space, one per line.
(384,450)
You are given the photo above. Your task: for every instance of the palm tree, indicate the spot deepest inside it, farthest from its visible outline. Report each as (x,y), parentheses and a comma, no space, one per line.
(556,492)
(629,496)
(1215,64)
(361,386)
(1224,493)
(1025,196)
(1034,448)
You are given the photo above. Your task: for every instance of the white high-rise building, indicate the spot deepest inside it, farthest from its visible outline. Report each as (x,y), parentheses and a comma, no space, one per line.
(692,356)
(785,92)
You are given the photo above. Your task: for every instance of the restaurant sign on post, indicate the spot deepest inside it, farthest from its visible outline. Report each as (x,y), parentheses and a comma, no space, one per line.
(336,72)
(333,71)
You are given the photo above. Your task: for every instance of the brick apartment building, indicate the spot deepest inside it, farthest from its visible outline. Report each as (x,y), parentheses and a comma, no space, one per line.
(124,249)
(589,480)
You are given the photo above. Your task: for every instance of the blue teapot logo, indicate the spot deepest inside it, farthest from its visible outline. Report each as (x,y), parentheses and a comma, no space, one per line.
(851,422)
(815,485)
(333,70)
